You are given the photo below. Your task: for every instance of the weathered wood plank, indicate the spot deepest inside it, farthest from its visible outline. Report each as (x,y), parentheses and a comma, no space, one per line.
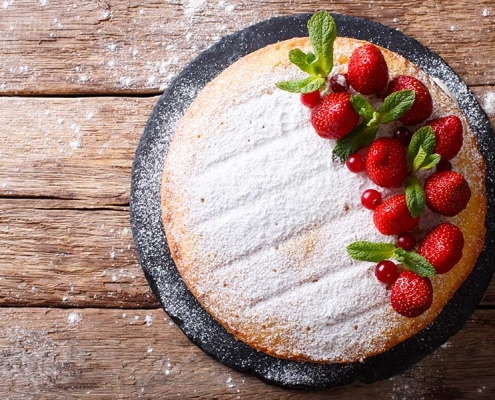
(116,46)
(87,353)
(53,256)
(70,148)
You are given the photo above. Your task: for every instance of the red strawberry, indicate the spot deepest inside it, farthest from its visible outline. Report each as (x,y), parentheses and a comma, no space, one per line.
(423,104)
(367,70)
(411,294)
(447,193)
(448,132)
(333,117)
(386,162)
(442,247)
(393,217)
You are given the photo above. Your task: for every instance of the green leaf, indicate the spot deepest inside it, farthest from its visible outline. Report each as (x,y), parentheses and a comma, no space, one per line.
(305,85)
(360,137)
(415,196)
(300,59)
(396,105)
(322,33)
(369,251)
(310,57)
(375,119)
(362,107)
(419,159)
(424,137)
(418,264)
(430,161)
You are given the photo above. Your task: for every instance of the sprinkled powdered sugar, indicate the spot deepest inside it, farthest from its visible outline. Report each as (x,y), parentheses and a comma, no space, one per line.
(155,257)
(266,215)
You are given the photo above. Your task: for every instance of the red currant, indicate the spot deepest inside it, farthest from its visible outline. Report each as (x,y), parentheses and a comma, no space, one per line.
(444,165)
(386,272)
(403,134)
(310,99)
(356,163)
(339,83)
(371,199)
(406,241)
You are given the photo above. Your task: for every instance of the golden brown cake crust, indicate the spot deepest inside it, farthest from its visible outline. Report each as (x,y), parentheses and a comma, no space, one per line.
(214,273)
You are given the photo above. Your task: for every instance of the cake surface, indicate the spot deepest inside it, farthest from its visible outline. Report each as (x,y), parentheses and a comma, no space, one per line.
(258,217)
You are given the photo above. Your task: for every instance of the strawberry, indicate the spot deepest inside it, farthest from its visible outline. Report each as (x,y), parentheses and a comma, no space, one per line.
(423,103)
(447,193)
(367,70)
(386,162)
(393,217)
(442,247)
(448,132)
(333,117)
(411,294)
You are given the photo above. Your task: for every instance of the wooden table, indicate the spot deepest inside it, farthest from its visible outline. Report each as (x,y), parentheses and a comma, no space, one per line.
(78,81)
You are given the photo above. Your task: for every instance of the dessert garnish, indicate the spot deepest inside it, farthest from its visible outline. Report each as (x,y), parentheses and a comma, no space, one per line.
(442,247)
(367,71)
(394,106)
(448,132)
(420,156)
(411,294)
(423,105)
(346,115)
(333,117)
(392,216)
(318,65)
(377,252)
(371,199)
(447,193)
(386,162)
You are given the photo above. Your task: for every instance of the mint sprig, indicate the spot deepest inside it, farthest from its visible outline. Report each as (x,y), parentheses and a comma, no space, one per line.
(322,33)
(360,137)
(420,156)
(376,252)
(394,106)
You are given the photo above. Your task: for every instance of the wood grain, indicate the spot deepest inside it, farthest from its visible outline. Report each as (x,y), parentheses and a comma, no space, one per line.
(88,353)
(70,148)
(117,46)
(55,256)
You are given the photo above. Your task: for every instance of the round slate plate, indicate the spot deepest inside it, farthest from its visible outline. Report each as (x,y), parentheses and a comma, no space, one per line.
(154,255)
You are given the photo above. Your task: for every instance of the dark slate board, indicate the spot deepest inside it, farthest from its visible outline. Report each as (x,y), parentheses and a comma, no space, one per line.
(154,255)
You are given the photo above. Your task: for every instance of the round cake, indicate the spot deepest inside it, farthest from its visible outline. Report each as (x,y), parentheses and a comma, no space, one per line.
(258,215)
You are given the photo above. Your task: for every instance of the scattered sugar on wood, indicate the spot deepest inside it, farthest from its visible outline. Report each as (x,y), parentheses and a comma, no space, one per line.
(489,103)
(74,318)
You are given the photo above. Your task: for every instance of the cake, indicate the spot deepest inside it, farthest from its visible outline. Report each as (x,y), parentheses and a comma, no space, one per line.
(259,215)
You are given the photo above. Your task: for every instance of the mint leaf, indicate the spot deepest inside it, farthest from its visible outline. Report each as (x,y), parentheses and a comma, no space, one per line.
(415,196)
(419,159)
(305,85)
(418,264)
(360,137)
(424,137)
(430,161)
(322,33)
(362,107)
(396,105)
(301,59)
(369,251)
(376,252)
